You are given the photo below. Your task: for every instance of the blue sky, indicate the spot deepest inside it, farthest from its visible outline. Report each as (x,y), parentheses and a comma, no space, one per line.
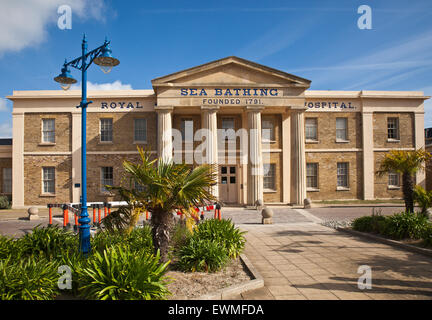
(317,40)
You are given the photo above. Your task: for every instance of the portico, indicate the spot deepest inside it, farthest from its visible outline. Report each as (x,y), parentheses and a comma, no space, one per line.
(233,95)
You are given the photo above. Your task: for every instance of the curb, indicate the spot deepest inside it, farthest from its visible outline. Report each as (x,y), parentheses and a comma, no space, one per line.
(231,291)
(426,252)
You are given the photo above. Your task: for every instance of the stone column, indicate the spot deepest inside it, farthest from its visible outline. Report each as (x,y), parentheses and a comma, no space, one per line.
(76,156)
(164,133)
(18,161)
(209,123)
(255,165)
(368,156)
(299,161)
(420,143)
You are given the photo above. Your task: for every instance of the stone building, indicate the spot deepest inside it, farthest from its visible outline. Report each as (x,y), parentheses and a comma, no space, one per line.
(286,142)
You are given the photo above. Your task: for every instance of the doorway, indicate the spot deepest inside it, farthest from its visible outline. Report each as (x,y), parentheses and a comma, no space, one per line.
(228,184)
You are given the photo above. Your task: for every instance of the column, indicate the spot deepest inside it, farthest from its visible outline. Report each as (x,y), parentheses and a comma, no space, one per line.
(209,123)
(299,161)
(286,157)
(255,165)
(164,133)
(368,156)
(76,156)
(420,143)
(18,161)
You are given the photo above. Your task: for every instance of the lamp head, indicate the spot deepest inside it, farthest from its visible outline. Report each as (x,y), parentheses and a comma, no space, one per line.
(106,61)
(64,78)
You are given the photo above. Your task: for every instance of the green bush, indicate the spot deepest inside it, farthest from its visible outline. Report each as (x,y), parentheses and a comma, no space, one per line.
(224,233)
(120,273)
(139,239)
(180,236)
(374,223)
(202,255)
(405,225)
(30,278)
(10,247)
(4,202)
(427,235)
(49,241)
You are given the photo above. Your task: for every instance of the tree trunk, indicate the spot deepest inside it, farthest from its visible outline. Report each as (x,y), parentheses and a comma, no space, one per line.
(162,223)
(408,189)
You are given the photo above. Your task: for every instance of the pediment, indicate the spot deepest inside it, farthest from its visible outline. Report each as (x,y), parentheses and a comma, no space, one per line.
(231,71)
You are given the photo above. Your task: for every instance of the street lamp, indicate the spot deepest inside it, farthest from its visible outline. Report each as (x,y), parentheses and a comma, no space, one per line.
(102,57)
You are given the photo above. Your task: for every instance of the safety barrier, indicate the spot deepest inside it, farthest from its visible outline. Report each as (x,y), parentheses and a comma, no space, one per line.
(75,208)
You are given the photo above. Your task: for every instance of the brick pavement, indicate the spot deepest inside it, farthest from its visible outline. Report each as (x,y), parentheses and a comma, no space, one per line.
(309,261)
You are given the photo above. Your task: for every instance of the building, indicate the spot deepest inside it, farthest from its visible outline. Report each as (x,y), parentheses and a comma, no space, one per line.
(318,144)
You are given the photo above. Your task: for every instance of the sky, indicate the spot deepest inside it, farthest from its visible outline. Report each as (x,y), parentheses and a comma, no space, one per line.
(317,40)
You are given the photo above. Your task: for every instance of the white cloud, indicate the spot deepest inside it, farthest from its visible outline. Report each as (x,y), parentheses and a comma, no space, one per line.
(23,23)
(116,85)
(3,105)
(6,129)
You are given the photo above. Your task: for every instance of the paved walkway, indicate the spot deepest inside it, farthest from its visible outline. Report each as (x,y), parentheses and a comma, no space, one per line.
(305,260)
(301,259)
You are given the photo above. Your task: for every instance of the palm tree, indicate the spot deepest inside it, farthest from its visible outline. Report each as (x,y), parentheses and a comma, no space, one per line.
(407,163)
(166,188)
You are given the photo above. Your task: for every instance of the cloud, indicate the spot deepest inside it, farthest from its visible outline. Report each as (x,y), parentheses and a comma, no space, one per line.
(3,105)
(116,85)
(23,23)
(6,129)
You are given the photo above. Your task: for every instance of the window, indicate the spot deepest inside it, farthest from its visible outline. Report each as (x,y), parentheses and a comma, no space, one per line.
(48,130)
(393,128)
(187,129)
(106,130)
(311,129)
(341,129)
(106,178)
(268,131)
(7,180)
(228,128)
(269,176)
(342,174)
(312,175)
(48,180)
(393,179)
(140,130)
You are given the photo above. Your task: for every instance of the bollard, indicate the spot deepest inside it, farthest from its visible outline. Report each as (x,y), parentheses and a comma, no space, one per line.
(99,215)
(50,214)
(66,224)
(218,211)
(147,215)
(105,209)
(109,208)
(94,215)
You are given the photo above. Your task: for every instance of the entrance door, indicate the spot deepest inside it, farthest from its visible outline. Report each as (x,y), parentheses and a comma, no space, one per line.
(228,184)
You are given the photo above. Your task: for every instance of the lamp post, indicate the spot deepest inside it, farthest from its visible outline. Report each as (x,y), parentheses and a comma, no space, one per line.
(102,57)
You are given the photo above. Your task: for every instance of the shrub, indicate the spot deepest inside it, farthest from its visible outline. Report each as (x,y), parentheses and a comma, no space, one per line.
(405,225)
(202,255)
(10,247)
(50,241)
(427,235)
(138,239)
(4,202)
(29,278)
(180,236)
(224,233)
(119,273)
(141,239)
(374,223)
